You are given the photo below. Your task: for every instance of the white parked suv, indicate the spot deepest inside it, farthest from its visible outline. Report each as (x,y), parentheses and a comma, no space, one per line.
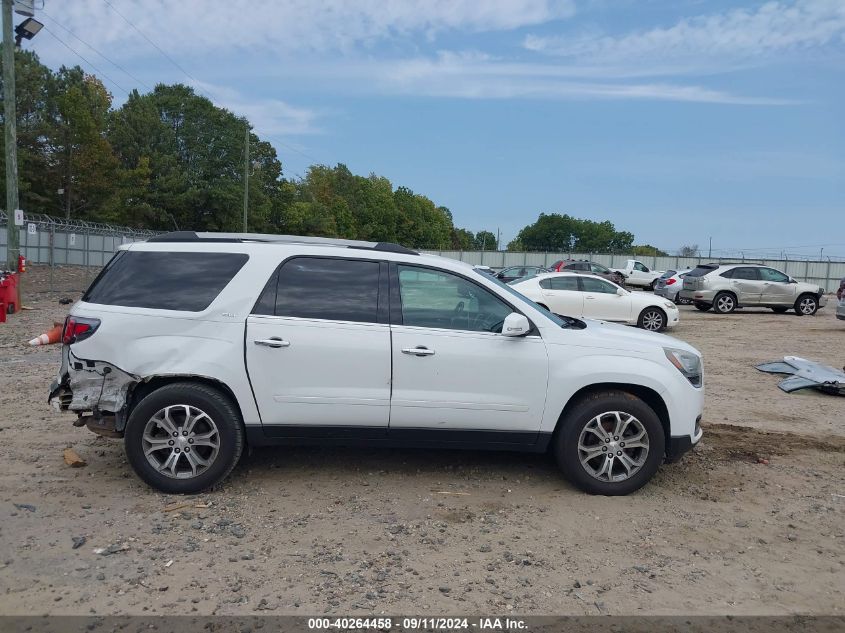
(192,345)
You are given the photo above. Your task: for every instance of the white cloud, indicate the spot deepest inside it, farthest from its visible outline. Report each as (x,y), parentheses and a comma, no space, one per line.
(477,76)
(295,26)
(269,117)
(740,34)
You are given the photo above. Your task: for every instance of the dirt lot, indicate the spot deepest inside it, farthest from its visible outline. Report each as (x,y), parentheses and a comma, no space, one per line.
(310,531)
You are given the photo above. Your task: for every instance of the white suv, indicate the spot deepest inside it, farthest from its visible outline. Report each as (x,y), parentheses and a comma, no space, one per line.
(192,345)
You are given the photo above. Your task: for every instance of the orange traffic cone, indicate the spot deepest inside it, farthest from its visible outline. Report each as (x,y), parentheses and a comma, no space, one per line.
(49,337)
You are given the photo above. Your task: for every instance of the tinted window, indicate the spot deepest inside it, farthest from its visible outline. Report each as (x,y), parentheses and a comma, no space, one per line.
(591,284)
(640,267)
(578,266)
(165,280)
(564,283)
(667,274)
(770,274)
(433,298)
(745,273)
(700,271)
(598,268)
(333,289)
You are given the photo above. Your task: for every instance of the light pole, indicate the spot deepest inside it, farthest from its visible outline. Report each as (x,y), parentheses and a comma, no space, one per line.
(11,138)
(246,174)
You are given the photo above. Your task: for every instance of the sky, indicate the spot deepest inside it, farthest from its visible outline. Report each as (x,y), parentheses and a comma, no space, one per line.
(681,121)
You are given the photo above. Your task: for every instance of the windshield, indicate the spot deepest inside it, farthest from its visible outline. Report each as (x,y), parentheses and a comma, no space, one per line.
(565,323)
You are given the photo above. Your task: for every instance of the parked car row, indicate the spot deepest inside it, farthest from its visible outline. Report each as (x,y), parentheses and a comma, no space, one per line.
(669,285)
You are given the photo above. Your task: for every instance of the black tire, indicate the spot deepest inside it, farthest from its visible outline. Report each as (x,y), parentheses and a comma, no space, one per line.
(704,307)
(218,407)
(576,418)
(806,305)
(652,319)
(724,303)
(780,310)
(651,285)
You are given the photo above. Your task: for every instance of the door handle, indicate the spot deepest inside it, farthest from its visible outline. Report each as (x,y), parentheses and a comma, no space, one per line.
(273,341)
(589,297)
(418,351)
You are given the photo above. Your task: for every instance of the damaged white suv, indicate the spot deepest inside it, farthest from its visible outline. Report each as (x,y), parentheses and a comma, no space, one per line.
(192,346)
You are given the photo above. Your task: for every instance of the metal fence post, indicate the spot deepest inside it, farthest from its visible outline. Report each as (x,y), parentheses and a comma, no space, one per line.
(807,271)
(827,274)
(52,254)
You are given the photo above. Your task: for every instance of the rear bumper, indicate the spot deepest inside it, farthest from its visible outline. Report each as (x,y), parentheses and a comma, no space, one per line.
(667,292)
(705,296)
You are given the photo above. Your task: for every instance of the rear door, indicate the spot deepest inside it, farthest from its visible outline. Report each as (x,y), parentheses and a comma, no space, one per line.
(746,284)
(318,348)
(601,300)
(562,295)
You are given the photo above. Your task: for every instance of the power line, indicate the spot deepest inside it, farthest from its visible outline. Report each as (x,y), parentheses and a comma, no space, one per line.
(75,52)
(197,82)
(113,63)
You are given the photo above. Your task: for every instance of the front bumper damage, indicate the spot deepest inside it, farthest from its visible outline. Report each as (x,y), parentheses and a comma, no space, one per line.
(96,391)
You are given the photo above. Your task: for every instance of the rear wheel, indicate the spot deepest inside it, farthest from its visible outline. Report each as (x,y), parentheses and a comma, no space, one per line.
(807,305)
(652,319)
(610,443)
(184,438)
(704,307)
(724,303)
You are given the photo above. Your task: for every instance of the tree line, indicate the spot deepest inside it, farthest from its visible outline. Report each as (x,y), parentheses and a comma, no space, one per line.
(171,159)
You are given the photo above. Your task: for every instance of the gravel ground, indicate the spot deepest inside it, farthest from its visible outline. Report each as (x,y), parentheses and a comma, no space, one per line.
(312,530)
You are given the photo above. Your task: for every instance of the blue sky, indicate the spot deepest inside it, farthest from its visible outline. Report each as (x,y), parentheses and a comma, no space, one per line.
(677,120)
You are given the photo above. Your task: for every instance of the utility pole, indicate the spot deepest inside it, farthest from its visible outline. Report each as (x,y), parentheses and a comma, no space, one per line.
(11,137)
(246,175)
(498,237)
(710,250)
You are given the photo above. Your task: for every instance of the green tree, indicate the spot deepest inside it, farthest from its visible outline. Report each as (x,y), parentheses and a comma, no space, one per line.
(485,241)
(647,249)
(556,232)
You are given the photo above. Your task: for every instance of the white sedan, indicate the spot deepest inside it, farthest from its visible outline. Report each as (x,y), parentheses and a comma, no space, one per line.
(580,295)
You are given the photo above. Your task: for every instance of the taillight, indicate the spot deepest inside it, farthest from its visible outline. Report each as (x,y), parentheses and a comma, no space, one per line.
(670,281)
(78,329)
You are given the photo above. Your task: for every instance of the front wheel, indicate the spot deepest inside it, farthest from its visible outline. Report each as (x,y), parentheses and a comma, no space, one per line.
(807,305)
(610,443)
(652,319)
(184,438)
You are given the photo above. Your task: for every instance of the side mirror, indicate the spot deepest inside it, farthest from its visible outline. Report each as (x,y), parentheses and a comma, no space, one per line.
(620,292)
(793,281)
(515,325)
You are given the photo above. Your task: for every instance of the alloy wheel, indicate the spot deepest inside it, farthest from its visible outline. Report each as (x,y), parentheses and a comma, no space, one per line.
(725,303)
(181,441)
(807,305)
(613,446)
(653,321)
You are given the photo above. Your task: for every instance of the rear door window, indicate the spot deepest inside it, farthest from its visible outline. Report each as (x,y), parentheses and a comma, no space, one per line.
(165,280)
(564,283)
(326,288)
(748,274)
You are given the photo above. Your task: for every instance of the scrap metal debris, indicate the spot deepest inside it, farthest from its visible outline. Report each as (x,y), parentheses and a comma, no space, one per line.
(807,374)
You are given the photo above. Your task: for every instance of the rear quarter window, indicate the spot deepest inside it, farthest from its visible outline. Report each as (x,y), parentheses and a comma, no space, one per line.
(165,280)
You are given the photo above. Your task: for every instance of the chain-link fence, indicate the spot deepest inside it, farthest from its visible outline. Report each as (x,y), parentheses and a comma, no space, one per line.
(62,243)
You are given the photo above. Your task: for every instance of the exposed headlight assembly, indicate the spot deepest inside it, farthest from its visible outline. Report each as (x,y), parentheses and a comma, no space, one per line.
(688,364)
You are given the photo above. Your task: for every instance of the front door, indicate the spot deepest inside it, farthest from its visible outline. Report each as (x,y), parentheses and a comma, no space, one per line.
(777,288)
(455,376)
(318,348)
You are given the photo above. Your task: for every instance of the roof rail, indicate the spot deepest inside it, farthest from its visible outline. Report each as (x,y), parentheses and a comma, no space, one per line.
(191,236)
